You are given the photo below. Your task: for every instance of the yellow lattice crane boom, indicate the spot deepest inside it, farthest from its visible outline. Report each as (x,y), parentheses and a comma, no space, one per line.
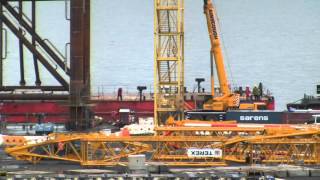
(181,143)
(181,146)
(168,60)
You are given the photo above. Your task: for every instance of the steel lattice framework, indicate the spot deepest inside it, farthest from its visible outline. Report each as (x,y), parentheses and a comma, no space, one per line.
(169,59)
(73,80)
(170,147)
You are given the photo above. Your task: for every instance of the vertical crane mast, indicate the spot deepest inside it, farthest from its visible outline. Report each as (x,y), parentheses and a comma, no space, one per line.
(228,99)
(168,60)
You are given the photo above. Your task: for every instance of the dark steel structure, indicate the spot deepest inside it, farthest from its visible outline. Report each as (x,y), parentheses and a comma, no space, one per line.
(80,63)
(73,80)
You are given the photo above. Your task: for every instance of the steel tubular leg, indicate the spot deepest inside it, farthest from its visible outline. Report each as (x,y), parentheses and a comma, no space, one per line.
(22,80)
(1,48)
(35,61)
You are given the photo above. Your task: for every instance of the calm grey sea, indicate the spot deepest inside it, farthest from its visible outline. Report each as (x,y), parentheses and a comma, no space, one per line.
(270,41)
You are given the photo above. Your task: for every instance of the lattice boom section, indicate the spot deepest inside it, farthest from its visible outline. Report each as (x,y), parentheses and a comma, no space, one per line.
(179,148)
(290,149)
(169,59)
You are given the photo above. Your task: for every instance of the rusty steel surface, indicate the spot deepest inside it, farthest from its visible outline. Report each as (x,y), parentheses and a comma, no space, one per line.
(79,64)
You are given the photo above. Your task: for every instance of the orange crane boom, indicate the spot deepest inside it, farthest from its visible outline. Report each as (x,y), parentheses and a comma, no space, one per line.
(228,99)
(216,50)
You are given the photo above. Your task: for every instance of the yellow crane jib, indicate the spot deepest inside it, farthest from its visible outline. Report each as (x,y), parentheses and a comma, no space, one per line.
(182,146)
(227,100)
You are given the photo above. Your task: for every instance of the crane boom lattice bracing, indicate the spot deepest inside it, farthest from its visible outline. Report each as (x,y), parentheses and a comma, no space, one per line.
(169,59)
(181,143)
(178,146)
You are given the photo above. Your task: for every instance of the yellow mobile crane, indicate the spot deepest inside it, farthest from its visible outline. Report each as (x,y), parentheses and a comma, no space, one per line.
(227,99)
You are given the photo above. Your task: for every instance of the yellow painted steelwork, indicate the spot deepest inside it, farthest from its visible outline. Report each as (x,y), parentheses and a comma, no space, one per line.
(168,60)
(292,148)
(170,146)
(227,99)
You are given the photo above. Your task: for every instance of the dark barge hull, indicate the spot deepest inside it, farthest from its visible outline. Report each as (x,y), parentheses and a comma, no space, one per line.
(57,112)
(259,117)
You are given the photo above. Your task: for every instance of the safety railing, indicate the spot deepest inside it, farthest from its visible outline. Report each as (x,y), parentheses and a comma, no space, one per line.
(128,93)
